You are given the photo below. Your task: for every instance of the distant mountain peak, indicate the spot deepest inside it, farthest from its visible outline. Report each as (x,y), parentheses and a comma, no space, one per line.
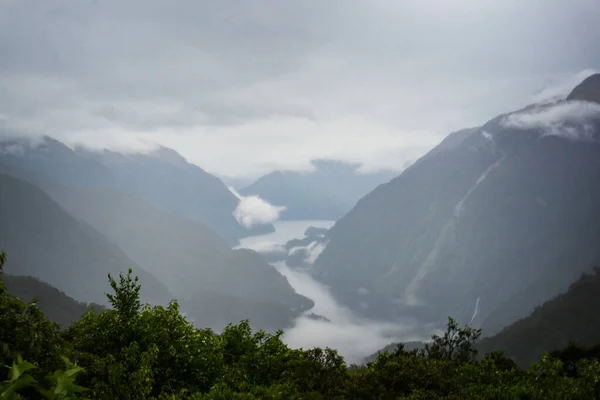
(588,90)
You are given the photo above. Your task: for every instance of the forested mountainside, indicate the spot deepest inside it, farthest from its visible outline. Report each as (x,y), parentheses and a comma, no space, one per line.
(50,244)
(528,299)
(479,220)
(571,316)
(135,351)
(217,285)
(162,177)
(327,193)
(55,304)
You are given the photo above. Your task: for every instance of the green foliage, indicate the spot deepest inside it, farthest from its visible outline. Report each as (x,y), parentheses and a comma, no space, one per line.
(456,345)
(60,384)
(134,351)
(126,300)
(24,330)
(18,378)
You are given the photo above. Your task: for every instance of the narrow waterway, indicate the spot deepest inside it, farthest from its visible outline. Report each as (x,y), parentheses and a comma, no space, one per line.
(355,338)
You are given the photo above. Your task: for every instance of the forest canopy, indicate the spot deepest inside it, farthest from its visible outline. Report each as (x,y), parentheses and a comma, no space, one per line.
(137,351)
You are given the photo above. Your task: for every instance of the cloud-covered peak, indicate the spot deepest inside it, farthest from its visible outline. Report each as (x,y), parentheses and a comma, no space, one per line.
(588,90)
(569,119)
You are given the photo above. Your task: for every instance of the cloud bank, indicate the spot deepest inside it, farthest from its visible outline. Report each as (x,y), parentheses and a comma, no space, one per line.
(558,89)
(568,119)
(243,88)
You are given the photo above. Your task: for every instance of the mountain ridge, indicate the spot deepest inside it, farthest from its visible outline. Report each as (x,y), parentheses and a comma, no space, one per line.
(162,177)
(57,306)
(188,257)
(69,254)
(511,198)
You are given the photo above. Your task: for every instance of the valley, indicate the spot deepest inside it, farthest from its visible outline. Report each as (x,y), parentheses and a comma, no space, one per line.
(296,200)
(484,206)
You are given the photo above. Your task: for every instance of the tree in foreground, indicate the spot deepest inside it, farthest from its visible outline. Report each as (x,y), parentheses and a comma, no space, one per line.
(456,345)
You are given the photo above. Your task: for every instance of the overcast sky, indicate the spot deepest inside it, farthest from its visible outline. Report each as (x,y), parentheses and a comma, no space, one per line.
(243,87)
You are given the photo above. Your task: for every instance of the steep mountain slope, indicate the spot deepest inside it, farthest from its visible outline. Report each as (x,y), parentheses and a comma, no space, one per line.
(213,281)
(521,303)
(326,193)
(474,223)
(43,240)
(56,305)
(163,178)
(195,263)
(571,316)
(259,294)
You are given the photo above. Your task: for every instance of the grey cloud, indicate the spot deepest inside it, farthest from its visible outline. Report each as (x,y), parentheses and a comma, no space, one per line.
(203,76)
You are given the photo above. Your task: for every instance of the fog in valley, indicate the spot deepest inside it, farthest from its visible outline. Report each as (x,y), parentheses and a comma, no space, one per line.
(353,336)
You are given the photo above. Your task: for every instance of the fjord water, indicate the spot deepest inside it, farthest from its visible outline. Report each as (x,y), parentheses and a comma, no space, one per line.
(284,231)
(354,337)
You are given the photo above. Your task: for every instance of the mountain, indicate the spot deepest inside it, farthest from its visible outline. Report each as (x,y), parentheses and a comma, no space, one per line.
(56,305)
(43,240)
(213,282)
(161,177)
(326,193)
(489,214)
(259,294)
(571,316)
